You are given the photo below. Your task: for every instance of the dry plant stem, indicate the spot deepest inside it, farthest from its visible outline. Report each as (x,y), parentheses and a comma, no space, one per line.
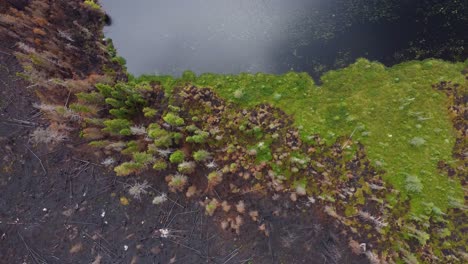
(347,141)
(22,122)
(40,161)
(152,188)
(68,98)
(34,255)
(232,254)
(85,161)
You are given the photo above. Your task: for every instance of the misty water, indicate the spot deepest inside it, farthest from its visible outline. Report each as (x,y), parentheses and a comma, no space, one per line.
(274,36)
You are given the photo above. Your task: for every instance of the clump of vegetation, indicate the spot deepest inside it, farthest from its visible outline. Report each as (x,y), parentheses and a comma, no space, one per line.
(177,157)
(149,112)
(92,4)
(160,199)
(417,141)
(214,178)
(413,184)
(177,182)
(201,155)
(49,135)
(186,167)
(173,119)
(160,165)
(211,207)
(138,189)
(199,137)
(140,161)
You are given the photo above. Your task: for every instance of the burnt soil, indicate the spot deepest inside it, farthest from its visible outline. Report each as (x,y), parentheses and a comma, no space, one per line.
(59,206)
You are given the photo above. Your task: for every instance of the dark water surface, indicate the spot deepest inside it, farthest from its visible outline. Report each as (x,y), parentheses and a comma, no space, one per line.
(276,36)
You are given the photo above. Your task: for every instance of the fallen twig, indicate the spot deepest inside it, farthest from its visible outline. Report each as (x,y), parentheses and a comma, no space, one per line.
(22,122)
(194,211)
(232,254)
(34,255)
(6,53)
(191,248)
(85,161)
(40,161)
(68,98)
(347,141)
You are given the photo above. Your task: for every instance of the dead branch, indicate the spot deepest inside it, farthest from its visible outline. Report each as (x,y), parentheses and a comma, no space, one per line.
(40,161)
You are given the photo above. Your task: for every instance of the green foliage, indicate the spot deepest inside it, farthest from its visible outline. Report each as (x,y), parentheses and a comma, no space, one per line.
(117,126)
(104,89)
(177,157)
(160,165)
(199,137)
(163,141)
(417,141)
(131,147)
(90,97)
(155,131)
(114,102)
(413,184)
(174,108)
(99,143)
(120,60)
(149,112)
(92,4)
(143,158)
(113,54)
(127,99)
(262,151)
(80,108)
(127,168)
(173,119)
(421,236)
(201,155)
(140,161)
(191,128)
(188,76)
(162,138)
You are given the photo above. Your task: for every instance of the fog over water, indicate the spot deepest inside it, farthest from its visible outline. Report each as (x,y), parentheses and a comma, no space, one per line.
(232,36)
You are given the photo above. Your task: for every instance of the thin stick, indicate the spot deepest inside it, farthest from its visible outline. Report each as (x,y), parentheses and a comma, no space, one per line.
(346,143)
(68,98)
(32,85)
(34,255)
(23,122)
(6,53)
(185,246)
(194,211)
(80,223)
(170,212)
(85,161)
(232,254)
(40,161)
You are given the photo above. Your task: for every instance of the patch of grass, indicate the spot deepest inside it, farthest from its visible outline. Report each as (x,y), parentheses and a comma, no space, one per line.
(394,112)
(92,4)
